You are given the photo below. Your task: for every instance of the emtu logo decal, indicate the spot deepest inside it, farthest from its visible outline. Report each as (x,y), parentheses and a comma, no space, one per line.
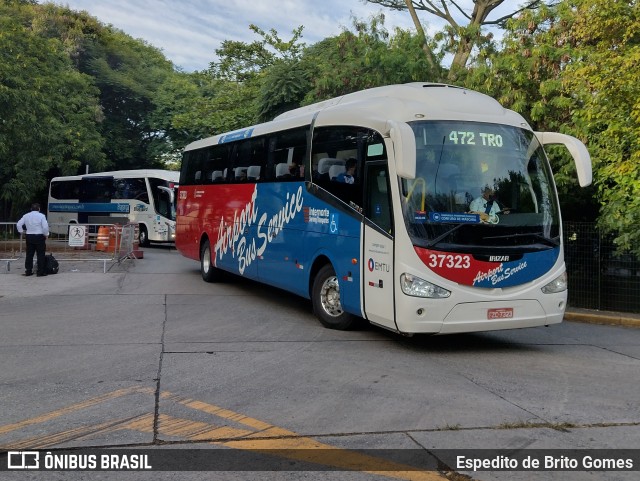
(378,266)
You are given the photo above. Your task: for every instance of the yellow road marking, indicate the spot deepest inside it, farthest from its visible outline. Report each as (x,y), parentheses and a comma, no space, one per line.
(290,445)
(74,407)
(50,440)
(216,411)
(263,437)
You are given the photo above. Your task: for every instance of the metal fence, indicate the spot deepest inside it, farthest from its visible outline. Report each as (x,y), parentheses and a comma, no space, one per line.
(99,243)
(11,244)
(598,277)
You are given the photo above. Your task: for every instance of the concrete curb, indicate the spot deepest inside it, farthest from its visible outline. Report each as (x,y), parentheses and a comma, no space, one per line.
(603,317)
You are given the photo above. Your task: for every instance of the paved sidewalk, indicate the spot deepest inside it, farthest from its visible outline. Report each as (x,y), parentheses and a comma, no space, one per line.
(611,318)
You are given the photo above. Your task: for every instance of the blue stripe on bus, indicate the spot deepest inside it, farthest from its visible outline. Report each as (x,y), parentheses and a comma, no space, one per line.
(276,237)
(239,135)
(119,207)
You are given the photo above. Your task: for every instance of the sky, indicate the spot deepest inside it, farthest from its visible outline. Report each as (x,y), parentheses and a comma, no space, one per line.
(189,31)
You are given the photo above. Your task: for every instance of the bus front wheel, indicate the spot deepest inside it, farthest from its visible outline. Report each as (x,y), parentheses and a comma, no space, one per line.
(209,272)
(326,301)
(143,236)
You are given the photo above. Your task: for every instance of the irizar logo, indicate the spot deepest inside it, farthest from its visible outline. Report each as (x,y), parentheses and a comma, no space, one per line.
(498,258)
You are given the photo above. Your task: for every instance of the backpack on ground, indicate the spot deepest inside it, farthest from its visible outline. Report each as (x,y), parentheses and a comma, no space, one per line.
(51,264)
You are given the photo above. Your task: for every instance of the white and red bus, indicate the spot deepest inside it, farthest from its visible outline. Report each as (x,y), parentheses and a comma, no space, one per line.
(398,242)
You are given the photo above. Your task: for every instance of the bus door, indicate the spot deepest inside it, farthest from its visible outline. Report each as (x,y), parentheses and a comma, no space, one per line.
(377,258)
(94,190)
(165,204)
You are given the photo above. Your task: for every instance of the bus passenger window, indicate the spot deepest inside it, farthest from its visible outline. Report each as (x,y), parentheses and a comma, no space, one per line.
(249,154)
(379,207)
(324,166)
(288,149)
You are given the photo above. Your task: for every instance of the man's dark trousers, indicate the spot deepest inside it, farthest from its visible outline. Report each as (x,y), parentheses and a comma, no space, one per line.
(35,245)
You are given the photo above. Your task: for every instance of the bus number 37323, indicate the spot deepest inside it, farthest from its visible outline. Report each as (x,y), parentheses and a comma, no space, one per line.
(450,261)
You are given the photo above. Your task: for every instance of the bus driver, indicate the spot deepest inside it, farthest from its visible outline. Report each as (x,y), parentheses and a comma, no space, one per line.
(486,206)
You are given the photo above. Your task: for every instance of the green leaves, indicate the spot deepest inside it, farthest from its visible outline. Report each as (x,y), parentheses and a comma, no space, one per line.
(605,82)
(48,111)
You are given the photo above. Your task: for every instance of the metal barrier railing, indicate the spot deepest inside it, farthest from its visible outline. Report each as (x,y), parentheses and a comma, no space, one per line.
(11,244)
(106,243)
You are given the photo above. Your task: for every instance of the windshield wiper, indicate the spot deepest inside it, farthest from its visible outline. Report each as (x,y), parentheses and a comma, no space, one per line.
(442,236)
(555,242)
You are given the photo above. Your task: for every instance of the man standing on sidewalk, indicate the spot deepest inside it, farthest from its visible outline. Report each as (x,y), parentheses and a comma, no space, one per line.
(37,229)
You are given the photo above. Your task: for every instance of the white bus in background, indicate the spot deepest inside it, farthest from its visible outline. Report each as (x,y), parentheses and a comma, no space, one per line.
(146,197)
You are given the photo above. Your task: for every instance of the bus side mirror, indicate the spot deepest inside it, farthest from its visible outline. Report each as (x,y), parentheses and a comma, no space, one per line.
(577,150)
(172,196)
(404,147)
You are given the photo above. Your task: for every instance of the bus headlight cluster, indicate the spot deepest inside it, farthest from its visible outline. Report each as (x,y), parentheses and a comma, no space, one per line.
(414,286)
(559,284)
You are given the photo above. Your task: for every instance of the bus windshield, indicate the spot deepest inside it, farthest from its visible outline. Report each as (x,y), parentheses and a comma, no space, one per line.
(480,185)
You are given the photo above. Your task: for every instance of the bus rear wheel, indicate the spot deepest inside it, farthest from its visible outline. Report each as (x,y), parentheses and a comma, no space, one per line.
(325,297)
(209,272)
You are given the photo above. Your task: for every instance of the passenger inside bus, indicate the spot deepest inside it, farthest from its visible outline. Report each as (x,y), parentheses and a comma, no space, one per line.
(240,174)
(294,169)
(348,172)
(487,206)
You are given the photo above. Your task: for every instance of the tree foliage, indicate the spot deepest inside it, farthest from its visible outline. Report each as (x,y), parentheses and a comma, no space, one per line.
(127,73)
(573,68)
(603,76)
(464,29)
(49,112)
(74,93)
(365,57)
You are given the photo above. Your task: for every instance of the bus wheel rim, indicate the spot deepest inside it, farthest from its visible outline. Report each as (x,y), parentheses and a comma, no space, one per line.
(330,297)
(206,260)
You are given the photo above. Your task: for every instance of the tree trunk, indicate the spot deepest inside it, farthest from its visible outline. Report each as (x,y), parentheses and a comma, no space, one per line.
(416,21)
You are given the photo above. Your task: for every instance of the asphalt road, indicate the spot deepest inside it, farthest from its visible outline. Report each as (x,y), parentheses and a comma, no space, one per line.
(148,356)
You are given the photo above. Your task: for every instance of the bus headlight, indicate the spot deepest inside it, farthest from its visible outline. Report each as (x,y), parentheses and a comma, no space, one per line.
(559,284)
(414,286)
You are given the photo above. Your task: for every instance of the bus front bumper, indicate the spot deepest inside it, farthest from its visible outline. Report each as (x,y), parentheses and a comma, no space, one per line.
(486,316)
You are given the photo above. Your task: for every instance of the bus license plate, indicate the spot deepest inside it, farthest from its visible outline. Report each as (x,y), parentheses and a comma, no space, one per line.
(501,313)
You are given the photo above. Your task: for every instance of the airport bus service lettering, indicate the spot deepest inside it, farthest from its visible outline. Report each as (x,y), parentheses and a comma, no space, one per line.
(232,235)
